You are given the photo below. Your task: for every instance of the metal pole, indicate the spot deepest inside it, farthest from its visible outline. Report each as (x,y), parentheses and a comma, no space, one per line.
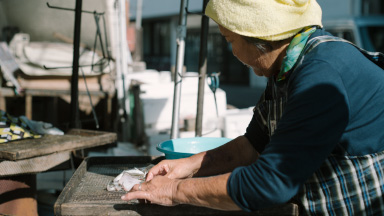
(75,122)
(139,10)
(202,71)
(181,34)
(122,60)
(138,55)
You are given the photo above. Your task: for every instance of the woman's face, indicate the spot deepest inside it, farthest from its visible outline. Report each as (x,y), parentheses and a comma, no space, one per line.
(265,63)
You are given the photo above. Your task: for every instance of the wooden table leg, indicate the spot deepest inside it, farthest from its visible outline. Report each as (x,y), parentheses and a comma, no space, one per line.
(28,106)
(3,105)
(18,195)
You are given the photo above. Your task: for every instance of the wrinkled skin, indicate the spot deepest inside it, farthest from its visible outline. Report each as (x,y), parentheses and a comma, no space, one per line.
(162,181)
(159,190)
(173,169)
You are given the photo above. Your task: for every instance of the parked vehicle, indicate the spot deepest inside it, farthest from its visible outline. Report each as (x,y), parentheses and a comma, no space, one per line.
(366,32)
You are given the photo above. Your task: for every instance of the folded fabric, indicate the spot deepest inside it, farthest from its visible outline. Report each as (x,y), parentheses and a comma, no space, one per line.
(128,178)
(32,57)
(12,128)
(42,127)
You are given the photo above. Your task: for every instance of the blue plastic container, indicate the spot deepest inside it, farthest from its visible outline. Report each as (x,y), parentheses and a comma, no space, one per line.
(185,147)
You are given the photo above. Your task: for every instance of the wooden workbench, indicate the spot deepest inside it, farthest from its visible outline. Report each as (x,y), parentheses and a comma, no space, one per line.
(21,160)
(86,194)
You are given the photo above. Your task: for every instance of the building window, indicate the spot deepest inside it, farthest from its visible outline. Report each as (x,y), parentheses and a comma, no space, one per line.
(370,7)
(220,58)
(156,45)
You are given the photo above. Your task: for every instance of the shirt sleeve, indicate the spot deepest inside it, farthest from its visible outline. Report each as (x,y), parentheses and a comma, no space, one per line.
(255,134)
(312,124)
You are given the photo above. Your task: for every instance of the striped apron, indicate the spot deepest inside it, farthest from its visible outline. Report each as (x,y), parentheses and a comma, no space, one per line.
(343,185)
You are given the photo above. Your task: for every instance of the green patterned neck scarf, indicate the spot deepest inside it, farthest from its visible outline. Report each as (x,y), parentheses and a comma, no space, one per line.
(293,51)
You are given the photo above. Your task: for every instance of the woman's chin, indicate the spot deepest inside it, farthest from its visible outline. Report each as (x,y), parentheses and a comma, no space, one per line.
(258,72)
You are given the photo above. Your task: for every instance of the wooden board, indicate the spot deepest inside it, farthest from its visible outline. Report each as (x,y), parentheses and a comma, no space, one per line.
(73,140)
(86,194)
(33,165)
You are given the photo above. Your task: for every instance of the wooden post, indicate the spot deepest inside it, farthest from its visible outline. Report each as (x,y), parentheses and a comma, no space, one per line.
(28,106)
(3,105)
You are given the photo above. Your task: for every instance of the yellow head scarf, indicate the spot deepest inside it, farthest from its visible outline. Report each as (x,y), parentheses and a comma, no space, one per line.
(270,20)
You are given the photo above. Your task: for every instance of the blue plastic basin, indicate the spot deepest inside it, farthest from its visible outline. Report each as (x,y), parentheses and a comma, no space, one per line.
(185,147)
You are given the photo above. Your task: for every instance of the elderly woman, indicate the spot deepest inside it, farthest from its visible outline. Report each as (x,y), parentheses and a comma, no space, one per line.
(316,135)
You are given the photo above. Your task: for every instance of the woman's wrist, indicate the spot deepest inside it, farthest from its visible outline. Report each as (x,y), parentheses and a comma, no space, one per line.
(196,162)
(209,191)
(184,191)
(176,199)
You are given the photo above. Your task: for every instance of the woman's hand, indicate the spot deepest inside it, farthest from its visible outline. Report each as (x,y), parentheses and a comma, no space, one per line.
(238,152)
(159,190)
(173,169)
(210,192)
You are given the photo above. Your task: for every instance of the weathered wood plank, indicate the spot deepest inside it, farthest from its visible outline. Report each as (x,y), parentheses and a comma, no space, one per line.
(70,187)
(33,165)
(48,144)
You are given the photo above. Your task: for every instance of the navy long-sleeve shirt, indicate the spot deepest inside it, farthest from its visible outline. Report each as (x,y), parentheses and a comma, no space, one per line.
(335,99)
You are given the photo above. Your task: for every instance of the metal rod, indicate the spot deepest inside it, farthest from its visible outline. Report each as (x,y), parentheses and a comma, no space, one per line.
(75,122)
(202,71)
(138,55)
(70,9)
(139,11)
(98,35)
(194,13)
(63,67)
(181,34)
(122,61)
